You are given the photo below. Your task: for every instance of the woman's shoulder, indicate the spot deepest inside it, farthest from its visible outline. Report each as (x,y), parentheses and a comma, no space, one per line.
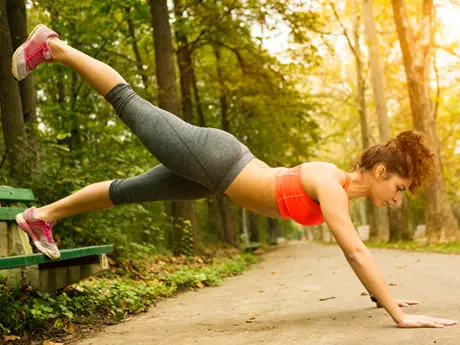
(323,171)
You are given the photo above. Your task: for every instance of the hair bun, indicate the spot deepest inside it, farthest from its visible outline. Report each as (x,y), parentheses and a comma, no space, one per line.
(407,139)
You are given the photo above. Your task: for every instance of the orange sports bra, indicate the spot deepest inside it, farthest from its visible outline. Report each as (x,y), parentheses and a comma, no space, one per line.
(294,203)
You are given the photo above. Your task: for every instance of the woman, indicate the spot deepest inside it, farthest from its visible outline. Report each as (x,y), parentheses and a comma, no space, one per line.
(198,162)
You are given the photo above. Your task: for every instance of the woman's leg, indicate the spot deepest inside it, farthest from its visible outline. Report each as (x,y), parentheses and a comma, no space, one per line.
(90,198)
(156,184)
(100,76)
(207,156)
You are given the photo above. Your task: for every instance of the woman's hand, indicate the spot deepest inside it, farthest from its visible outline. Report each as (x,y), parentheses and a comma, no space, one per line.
(418,321)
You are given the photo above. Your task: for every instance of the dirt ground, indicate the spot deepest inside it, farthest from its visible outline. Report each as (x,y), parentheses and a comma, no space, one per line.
(302,293)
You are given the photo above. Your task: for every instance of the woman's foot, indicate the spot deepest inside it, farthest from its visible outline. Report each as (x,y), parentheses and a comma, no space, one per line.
(40,232)
(32,52)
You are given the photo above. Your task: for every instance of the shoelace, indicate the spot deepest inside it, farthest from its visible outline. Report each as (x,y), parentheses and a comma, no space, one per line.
(47,229)
(38,57)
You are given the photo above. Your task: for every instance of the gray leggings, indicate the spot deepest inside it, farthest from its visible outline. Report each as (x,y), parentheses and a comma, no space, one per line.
(195,161)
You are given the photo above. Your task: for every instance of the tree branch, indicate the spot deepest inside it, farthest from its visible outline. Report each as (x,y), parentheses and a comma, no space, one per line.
(450,51)
(438,89)
(345,32)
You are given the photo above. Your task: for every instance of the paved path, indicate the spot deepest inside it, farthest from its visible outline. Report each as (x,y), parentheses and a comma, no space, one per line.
(277,302)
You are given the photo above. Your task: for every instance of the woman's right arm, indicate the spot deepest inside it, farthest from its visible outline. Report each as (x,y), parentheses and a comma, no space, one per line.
(334,204)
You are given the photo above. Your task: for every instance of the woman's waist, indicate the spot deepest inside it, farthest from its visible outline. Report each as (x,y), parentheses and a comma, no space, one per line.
(254,188)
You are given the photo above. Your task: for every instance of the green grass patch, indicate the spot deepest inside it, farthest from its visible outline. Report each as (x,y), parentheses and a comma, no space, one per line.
(449,248)
(130,287)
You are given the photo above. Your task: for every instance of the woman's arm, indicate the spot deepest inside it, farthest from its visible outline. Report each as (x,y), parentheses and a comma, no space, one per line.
(334,204)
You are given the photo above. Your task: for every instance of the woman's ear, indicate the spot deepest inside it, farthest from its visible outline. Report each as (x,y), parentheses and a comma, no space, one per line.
(380,172)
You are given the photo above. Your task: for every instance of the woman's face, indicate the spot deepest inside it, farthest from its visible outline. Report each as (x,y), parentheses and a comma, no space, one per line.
(386,190)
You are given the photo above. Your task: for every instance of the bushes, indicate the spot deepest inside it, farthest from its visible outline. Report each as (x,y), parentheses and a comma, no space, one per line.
(131,288)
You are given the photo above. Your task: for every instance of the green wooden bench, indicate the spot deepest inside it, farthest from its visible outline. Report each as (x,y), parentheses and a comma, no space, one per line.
(19,263)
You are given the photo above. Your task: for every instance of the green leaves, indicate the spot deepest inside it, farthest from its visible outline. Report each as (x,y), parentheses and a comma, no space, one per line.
(114,296)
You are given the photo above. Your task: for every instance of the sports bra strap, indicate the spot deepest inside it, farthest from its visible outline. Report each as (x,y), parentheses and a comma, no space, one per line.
(347,182)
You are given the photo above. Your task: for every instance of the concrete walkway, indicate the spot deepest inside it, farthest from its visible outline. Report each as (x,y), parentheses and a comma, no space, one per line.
(280,301)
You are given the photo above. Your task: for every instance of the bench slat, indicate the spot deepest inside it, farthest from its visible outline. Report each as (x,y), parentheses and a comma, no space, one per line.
(66,254)
(9,213)
(16,194)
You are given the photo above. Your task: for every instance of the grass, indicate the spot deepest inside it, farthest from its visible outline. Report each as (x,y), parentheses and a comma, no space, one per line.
(446,248)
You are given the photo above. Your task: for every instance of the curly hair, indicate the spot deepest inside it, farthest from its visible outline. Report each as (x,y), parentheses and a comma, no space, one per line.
(407,155)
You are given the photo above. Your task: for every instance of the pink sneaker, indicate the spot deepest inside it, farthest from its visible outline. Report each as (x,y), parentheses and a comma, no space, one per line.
(40,232)
(32,52)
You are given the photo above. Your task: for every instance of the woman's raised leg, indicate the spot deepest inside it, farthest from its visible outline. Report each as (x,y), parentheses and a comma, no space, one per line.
(207,156)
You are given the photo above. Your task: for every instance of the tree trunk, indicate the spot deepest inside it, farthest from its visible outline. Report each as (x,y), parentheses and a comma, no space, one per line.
(212,201)
(185,72)
(225,210)
(11,107)
(196,93)
(17,21)
(75,132)
(185,63)
(398,223)
(440,221)
(167,94)
(272,230)
(253,227)
(225,125)
(378,221)
(137,54)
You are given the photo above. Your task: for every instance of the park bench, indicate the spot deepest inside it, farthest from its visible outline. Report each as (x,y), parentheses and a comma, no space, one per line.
(19,263)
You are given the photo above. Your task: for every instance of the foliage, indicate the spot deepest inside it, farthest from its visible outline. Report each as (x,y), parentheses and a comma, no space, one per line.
(130,289)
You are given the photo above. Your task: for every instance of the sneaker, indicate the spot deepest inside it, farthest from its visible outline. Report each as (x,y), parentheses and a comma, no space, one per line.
(32,52)
(39,231)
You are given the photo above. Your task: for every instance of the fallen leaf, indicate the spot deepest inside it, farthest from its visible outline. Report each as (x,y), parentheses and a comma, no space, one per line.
(393,284)
(326,298)
(49,342)
(364,293)
(71,328)
(10,337)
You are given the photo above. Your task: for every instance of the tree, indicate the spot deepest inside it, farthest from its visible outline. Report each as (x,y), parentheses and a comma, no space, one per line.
(183,211)
(184,59)
(397,215)
(378,218)
(17,21)
(415,48)
(11,107)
